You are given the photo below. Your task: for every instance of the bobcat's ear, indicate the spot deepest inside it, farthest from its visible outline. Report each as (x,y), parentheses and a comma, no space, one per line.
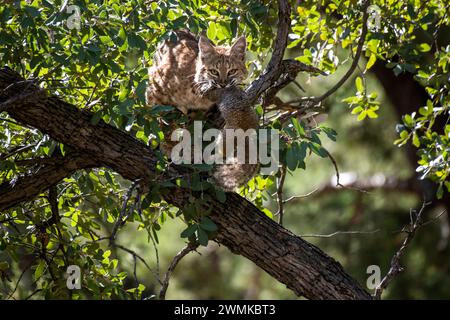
(239,47)
(205,47)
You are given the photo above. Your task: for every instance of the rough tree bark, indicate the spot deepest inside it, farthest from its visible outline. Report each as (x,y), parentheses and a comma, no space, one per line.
(243,228)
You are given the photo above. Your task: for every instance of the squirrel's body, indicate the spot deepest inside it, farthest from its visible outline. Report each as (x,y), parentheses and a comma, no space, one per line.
(182,75)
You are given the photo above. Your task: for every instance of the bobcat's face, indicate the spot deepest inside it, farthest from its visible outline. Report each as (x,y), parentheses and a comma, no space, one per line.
(220,67)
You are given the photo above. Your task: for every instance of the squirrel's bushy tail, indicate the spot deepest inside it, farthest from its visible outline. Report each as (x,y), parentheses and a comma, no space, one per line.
(231,175)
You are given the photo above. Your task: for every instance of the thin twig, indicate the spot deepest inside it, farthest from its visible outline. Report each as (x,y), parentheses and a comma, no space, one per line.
(16,123)
(300,196)
(157,257)
(280,185)
(298,85)
(123,213)
(137,256)
(16,150)
(337,233)
(338,183)
(191,246)
(32,294)
(91,96)
(21,276)
(396,268)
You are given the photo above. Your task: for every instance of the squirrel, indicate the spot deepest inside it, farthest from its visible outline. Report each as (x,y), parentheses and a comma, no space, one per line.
(240,119)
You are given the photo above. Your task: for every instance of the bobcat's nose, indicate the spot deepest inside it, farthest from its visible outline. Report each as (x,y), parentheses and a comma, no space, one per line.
(222,85)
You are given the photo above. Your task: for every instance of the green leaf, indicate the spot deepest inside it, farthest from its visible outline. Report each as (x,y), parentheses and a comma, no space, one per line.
(156,109)
(415,140)
(291,157)
(362,115)
(189,231)
(357,110)
(318,149)
(140,90)
(39,270)
(331,134)
(440,191)
(3,244)
(268,213)
(303,148)
(371,61)
(372,114)
(221,195)
(136,41)
(424,47)
(202,237)
(208,225)
(359,84)
(212,30)
(96,117)
(298,127)
(179,22)
(106,254)
(398,69)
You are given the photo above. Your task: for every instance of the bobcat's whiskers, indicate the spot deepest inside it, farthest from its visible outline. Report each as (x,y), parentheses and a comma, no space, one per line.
(203,86)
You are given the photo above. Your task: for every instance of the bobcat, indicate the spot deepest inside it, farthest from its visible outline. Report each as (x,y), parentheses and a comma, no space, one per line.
(182,74)
(184,70)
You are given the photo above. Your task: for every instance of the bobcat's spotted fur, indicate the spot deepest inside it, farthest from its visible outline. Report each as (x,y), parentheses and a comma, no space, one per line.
(184,70)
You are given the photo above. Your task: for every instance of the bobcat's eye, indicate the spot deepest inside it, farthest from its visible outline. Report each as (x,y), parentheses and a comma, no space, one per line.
(214,72)
(232,72)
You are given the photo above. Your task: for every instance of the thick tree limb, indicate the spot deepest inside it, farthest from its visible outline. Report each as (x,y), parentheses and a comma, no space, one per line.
(273,70)
(302,267)
(30,185)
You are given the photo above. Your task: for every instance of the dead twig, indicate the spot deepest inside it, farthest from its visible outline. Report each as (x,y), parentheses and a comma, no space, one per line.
(280,185)
(300,196)
(330,235)
(396,268)
(137,256)
(123,213)
(191,246)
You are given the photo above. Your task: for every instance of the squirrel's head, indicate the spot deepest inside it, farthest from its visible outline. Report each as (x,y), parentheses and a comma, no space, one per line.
(220,67)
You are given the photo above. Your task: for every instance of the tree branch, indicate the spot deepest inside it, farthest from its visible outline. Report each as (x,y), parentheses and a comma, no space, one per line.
(273,69)
(180,255)
(280,185)
(28,186)
(289,71)
(415,223)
